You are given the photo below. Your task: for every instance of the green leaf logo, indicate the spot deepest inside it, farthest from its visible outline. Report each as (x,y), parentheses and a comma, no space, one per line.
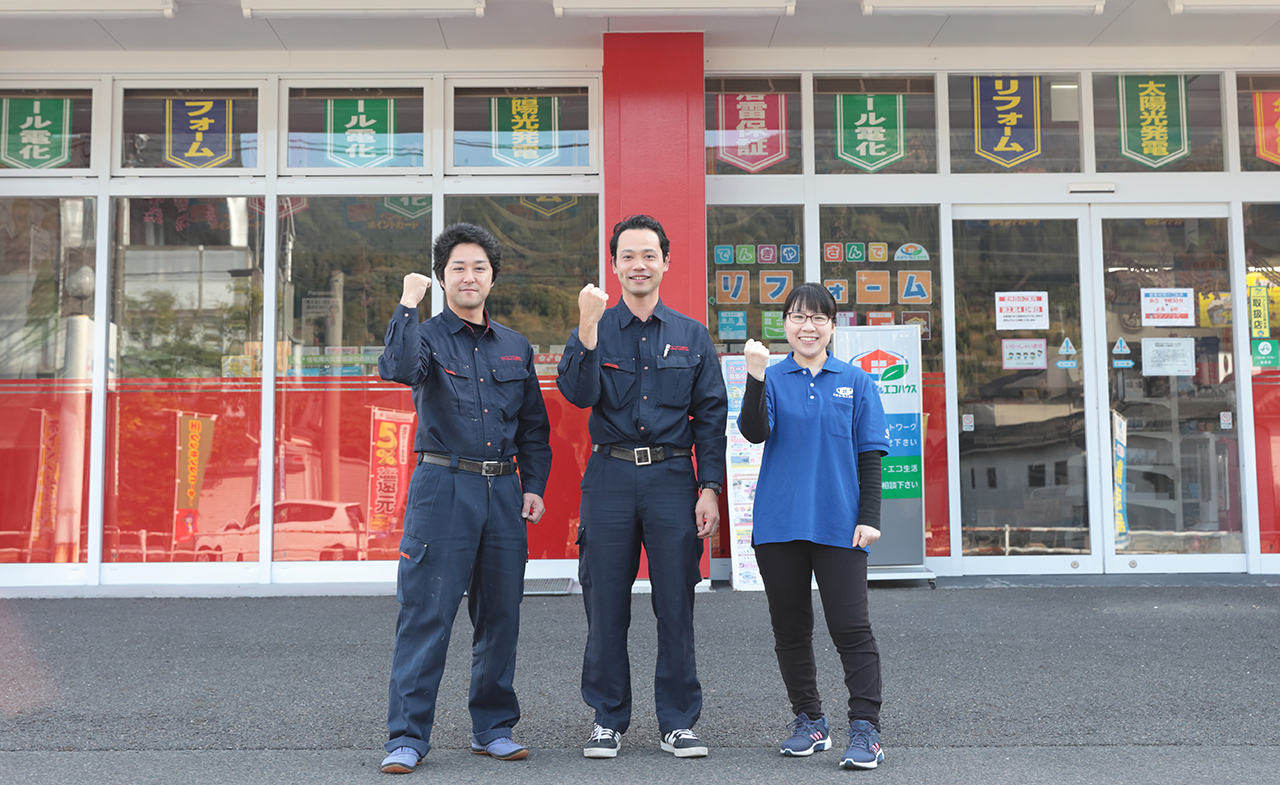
(894,372)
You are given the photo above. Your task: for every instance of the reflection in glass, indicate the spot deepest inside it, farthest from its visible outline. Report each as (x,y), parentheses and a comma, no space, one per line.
(753,260)
(190,129)
(183,410)
(355,128)
(1258,107)
(754,126)
(344,438)
(872,141)
(47,129)
(1182,487)
(1023,485)
(521,127)
(46,351)
(903,241)
(1058,112)
(1202,116)
(1262,254)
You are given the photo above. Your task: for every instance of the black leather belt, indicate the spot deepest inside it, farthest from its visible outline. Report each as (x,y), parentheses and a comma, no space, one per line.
(642,456)
(487,468)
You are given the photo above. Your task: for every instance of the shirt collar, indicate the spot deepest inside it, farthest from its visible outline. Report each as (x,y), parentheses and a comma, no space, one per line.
(625,315)
(789,365)
(454,323)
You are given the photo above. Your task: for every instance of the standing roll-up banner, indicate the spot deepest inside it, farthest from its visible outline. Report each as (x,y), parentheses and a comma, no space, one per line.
(891,355)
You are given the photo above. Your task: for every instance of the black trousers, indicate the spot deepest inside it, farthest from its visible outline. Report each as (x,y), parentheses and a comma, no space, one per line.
(787,569)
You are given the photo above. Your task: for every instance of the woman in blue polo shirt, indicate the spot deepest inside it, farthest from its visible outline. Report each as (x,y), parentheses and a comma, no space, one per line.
(817,508)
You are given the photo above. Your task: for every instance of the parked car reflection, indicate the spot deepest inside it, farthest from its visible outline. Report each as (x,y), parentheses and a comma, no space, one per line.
(310,530)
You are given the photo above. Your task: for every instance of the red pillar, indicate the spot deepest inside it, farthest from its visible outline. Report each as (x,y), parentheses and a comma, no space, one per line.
(654,126)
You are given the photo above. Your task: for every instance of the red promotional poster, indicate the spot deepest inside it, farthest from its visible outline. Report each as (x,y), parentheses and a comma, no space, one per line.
(390,450)
(1266,122)
(752,133)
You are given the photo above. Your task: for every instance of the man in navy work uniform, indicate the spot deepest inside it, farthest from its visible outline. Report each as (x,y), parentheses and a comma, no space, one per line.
(653,382)
(478,407)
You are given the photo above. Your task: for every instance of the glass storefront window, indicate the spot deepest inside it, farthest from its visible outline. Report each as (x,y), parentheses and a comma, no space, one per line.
(46,313)
(754,260)
(1015,123)
(344,444)
(1258,105)
(355,128)
(522,128)
(1262,252)
(882,264)
(881,125)
(1157,122)
(1023,484)
(1172,379)
(190,129)
(45,129)
(184,406)
(754,126)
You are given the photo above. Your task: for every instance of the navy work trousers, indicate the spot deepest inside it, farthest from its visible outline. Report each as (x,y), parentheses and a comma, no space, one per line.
(623,507)
(462,532)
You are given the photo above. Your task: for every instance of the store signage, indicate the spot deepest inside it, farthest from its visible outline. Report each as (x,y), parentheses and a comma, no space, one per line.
(1119,496)
(752,130)
(1006,118)
(1168,356)
(390,449)
(524,131)
(790,254)
(915,287)
(413,206)
(733,288)
(547,205)
(197,134)
(869,130)
(1266,354)
(733,325)
(773,327)
(839,288)
(775,285)
(1153,119)
(1022,310)
(35,133)
(1259,312)
(879,318)
(359,131)
(1168,308)
(872,287)
(1023,354)
(1215,309)
(922,318)
(195,443)
(892,358)
(1266,126)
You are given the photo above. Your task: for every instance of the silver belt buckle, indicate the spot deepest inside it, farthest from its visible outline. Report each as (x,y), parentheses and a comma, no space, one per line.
(646,460)
(491,468)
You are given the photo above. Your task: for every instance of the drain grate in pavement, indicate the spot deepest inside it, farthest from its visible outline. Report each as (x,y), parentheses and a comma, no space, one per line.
(547,585)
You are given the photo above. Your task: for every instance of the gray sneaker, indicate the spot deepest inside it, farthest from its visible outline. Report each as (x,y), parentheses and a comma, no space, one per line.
(683,744)
(604,743)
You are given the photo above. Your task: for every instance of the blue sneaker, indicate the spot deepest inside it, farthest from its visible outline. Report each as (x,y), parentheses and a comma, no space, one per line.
(402,760)
(864,750)
(807,736)
(501,748)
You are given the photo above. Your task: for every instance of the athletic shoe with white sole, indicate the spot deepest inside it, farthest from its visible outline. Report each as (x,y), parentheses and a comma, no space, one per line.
(604,743)
(808,736)
(683,744)
(864,750)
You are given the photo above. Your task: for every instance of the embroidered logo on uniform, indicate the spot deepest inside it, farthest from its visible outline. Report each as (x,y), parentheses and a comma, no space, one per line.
(404,555)
(679,348)
(512,357)
(843,392)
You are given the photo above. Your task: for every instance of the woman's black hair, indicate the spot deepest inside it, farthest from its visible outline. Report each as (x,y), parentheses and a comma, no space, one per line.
(811,297)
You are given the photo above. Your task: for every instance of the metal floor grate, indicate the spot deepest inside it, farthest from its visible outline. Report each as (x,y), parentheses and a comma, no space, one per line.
(547,585)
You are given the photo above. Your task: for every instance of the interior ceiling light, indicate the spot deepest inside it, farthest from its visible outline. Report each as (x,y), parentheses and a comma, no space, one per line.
(983,7)
(1224,7)
(333,9)
(675,7)
(89,9)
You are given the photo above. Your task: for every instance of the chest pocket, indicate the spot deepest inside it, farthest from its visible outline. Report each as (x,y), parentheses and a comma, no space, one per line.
(455,376)
(509,386)
(673,385)
(617,380)
(837,417)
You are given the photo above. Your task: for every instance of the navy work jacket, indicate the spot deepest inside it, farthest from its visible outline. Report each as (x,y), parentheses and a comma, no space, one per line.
(477,396)
(650,383)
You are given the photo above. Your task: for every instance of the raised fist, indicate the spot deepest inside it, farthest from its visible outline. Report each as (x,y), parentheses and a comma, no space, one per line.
(592,301)
(757,355)
(415,288)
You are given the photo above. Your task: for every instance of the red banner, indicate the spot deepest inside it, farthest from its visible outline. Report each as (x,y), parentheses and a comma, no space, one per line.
(195,442)
(1266,124)
(390,450)
(752,132)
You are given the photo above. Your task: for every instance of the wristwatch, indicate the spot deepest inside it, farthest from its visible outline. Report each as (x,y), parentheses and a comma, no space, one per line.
(714,486)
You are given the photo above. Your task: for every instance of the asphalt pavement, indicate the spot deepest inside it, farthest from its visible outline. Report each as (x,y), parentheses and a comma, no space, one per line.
(1141,681)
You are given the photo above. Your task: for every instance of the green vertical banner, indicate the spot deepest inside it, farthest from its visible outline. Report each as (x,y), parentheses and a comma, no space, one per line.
(1259,312)
(359,132)
(869,130)
(524,130)
(1153,118)
(35,133)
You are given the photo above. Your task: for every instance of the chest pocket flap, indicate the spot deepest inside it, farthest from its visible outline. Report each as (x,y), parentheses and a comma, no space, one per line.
(510,373)
(675,379)
(617,378)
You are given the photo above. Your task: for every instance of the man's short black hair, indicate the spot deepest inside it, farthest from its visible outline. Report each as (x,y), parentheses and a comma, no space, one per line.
(811,297)
(459,234)
(639,221)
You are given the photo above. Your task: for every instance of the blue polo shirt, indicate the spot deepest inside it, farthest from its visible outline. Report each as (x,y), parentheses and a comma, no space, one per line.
(808,486)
